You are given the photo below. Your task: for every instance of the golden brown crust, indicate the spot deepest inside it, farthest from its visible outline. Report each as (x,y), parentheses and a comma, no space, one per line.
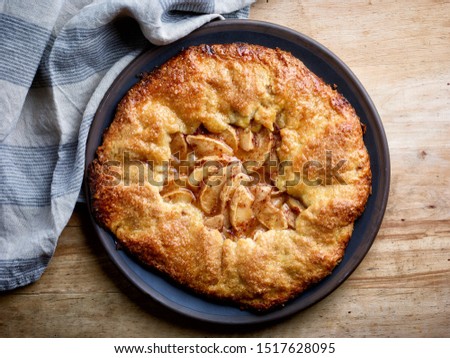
(257,246)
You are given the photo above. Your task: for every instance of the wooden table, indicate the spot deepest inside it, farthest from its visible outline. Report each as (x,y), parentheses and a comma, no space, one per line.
(400,50)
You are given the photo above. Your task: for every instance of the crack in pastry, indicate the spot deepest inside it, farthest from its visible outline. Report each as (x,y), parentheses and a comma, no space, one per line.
(234,170)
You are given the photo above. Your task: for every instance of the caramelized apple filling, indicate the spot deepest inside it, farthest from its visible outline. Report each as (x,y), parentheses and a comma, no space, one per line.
(231,177)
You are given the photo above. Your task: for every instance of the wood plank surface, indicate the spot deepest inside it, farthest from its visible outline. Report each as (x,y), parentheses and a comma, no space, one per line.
(400,51)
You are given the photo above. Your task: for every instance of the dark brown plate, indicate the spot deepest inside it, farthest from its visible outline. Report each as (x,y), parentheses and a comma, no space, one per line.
(333,71)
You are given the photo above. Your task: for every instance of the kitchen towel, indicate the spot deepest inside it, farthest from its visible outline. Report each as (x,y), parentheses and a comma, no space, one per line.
(57,59)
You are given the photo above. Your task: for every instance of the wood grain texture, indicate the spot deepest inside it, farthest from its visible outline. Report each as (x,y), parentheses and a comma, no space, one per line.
(400,51)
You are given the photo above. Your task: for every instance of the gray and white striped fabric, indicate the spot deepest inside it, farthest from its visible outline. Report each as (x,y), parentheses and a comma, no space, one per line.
(57,59)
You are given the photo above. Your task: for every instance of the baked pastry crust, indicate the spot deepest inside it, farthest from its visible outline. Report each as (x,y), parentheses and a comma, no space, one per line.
(259,244)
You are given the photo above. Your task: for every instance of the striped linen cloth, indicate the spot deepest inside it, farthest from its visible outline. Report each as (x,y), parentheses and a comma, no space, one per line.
(57,59)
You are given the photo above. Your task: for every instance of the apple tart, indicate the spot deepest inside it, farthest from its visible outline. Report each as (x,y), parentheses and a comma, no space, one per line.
(234,170)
